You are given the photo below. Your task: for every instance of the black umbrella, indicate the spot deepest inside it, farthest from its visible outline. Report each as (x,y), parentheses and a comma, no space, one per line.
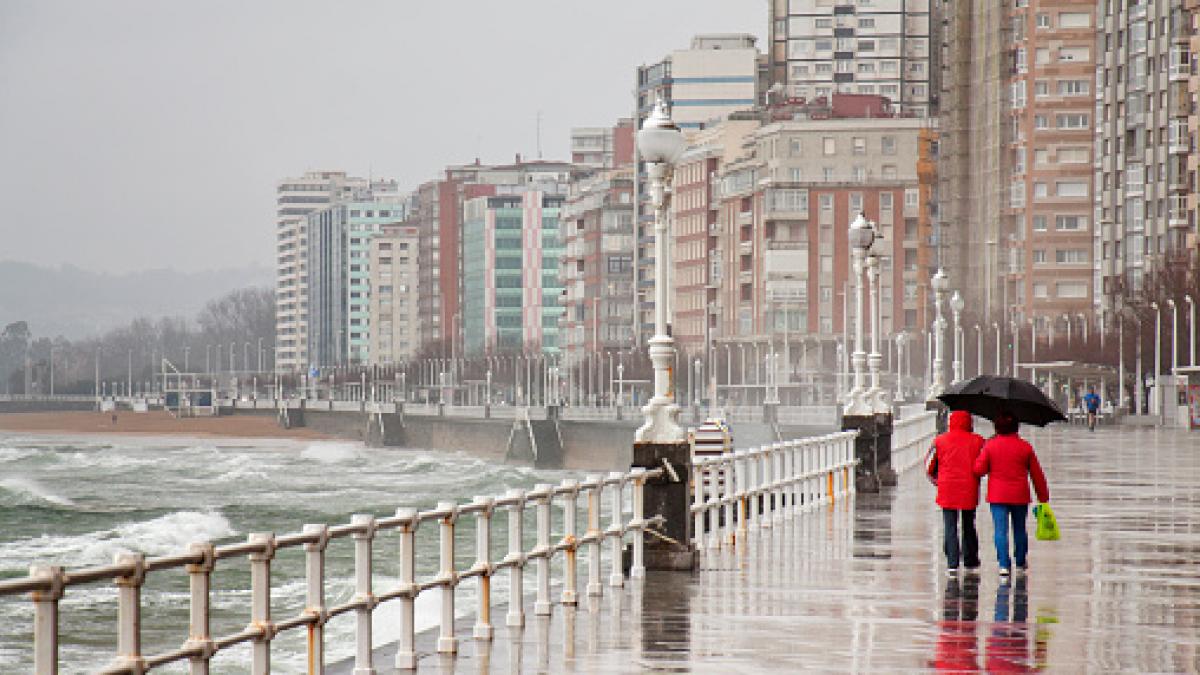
(988,395)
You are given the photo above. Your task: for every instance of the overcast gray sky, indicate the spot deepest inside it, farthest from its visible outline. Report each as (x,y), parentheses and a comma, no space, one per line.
(146,134)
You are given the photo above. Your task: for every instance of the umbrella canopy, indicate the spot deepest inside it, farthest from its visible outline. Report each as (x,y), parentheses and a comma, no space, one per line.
(988,395)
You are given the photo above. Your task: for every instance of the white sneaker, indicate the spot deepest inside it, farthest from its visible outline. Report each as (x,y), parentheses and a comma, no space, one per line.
(1005,572)
(952,572)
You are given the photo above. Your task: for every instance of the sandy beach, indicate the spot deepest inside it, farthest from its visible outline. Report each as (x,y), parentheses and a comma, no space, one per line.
(156,423)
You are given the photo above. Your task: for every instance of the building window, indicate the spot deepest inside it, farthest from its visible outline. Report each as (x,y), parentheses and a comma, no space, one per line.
(1039,223)
(1071,256)
(1072,189)
(1041,122)
(1040,190)
(1074,88)
(1040,291)
(1070,223)
(885,201)
(1072,121)
(860,145)
(1043,20)
(1071,289)
(1039,256)
(889,172)
(829,145)
(888,145)
(866,23)
(1041,89)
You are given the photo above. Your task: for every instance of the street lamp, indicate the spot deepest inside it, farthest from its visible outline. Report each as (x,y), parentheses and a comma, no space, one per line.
(861,237)
(901,338)
(1174,335)
(996,327)
(956,307)
(978,349)
(660,143)
(940,283)
(876,395)
(1191,330)
(1156,402)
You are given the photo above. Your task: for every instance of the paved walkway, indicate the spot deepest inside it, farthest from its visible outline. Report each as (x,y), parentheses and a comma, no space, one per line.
(860,587)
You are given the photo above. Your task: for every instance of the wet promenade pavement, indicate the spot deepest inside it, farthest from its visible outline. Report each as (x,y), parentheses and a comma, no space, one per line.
(860,587)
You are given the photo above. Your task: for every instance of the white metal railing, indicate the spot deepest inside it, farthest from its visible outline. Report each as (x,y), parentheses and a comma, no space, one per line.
(48,584)
(910,438)
(745,489)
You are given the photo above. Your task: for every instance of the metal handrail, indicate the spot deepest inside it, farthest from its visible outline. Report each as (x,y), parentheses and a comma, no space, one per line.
(761,486)
(48,584)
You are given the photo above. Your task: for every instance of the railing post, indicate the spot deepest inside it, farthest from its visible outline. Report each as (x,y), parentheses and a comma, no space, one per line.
(729,485)
(593,534)
(743,487)
(200,584)
(406,655)
(637,570)
(516,560)
(699,476)
(260,602)
(45,619)
(363,592)
(129,611)
(795,483)
(616,577)
(570,596)
(541,605)
(314,597)
(483,545)
(447,643)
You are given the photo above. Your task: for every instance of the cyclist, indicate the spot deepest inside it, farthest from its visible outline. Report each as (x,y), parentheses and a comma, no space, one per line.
(1092,402)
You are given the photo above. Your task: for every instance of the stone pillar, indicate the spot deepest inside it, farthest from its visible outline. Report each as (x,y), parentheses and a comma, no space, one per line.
(669,497)
(872,449)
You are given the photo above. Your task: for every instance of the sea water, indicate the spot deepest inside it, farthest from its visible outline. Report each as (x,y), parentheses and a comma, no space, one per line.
(78,501)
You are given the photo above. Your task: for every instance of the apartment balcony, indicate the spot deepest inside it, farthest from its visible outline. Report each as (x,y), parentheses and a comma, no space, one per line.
(745,247)
(745,218)
(746,277)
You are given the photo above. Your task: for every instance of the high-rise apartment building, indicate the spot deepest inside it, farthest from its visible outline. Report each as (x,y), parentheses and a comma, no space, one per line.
(597,148)
(1191,10)
(975,154)
(717,76)
(1142,143)
(784,208)
(883,47)
(510,287)
(1044,250)
(393,277)
(339,277)
(596,266)
(695,230)
(296,198)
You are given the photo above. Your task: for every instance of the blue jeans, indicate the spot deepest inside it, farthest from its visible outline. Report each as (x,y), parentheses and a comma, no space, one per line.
(1001,515)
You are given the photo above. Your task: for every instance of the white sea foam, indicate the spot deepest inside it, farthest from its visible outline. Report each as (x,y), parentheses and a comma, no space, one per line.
(30,491)
(16,454)
(169,533)
(330,453)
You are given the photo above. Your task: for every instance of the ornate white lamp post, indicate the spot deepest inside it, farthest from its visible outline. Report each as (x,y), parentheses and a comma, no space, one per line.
(956,307)
(1174,335)
(861,238)
(901,339)
(1156,402)
(941,284)
(877,396)
(660,143)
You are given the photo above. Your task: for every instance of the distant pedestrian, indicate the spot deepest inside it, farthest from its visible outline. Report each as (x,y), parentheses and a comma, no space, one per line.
(114,419)
(1010,463)
(1092,402)
(952,464)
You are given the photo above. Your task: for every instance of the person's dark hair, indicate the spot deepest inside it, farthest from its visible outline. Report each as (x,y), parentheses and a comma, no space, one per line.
(1006,423)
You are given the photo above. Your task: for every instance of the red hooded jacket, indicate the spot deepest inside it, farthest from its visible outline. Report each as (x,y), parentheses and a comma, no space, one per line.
(1009,463)
(957,486)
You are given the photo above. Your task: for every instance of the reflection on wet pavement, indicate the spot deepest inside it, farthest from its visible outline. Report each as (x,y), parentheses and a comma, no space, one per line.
(860,586)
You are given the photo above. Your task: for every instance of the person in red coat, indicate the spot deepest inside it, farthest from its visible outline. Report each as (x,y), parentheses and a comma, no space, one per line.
(1010,463)
(952,465)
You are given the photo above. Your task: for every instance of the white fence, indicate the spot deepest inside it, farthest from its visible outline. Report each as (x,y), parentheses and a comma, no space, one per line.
(738,490)
(47,585)
(910,438)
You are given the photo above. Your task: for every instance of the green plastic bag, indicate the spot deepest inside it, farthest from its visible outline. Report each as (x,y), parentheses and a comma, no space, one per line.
(1047,524)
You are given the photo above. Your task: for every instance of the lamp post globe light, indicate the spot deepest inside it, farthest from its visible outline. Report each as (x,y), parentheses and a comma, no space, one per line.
(660,143)
(861,237)
(956,307)
(937,383)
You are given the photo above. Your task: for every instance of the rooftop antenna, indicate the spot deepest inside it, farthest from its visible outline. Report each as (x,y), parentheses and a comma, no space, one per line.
(539,134)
